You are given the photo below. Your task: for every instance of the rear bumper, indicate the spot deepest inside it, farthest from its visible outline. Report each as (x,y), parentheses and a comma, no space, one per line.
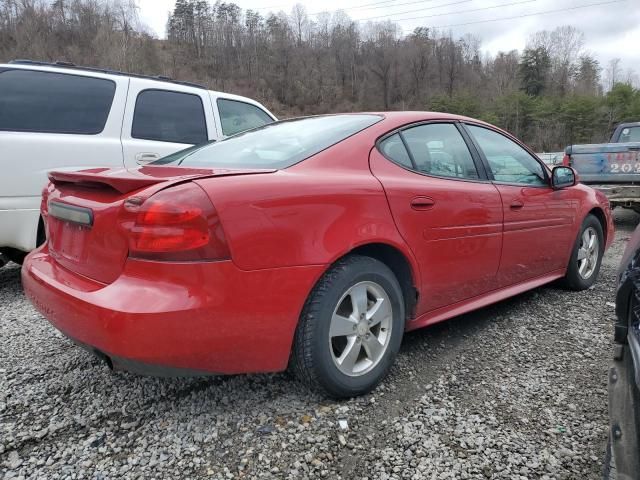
(165,318)
(620,195)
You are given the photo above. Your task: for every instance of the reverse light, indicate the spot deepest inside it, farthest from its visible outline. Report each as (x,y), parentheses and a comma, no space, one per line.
(176,224)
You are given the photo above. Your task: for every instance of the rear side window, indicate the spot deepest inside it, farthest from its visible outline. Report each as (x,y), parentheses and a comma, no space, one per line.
(439,149)
(165,116)
(238,116)
(46,102)
(393,148)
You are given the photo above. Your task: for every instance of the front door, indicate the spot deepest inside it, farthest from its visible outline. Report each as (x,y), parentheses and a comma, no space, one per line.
(538,221)
(449,214)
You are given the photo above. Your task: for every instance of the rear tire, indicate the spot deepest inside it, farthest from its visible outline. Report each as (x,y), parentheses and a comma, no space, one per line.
(350,329)
(585,261)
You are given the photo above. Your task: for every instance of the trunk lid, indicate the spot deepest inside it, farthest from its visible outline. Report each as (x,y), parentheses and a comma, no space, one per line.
(84,212)
(606,163)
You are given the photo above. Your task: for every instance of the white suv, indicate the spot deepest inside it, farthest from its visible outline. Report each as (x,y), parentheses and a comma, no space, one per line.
(62,117)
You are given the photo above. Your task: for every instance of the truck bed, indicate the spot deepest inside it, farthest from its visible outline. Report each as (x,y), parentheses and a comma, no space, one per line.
(607,163)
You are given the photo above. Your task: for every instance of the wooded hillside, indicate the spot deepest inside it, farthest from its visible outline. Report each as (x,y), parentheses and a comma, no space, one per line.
(551,94)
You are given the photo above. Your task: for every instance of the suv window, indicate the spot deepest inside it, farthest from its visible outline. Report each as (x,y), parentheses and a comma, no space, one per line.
(238,116)
(439,149)
(46,102)
(508,161)
(166,116)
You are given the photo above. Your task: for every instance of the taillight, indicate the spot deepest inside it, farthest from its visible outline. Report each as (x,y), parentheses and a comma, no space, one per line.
(44,207)
(44,202)
(176,224)
(566,160)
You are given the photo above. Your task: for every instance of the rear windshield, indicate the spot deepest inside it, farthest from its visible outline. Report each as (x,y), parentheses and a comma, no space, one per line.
(278,145)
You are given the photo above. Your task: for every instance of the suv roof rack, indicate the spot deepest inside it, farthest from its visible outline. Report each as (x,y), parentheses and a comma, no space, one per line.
(160,78)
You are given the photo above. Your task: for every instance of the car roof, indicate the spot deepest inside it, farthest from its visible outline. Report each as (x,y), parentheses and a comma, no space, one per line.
(417,116)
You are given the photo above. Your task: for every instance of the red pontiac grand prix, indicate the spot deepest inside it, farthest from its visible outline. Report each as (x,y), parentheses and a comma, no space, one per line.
(314,242)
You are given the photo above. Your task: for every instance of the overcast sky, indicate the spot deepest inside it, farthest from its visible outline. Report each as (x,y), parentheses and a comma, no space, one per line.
(611,27)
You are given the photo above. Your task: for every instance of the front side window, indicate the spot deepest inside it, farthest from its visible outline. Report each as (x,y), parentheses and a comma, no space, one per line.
(439,149)
(277,145)
(508,161)
(165,116)
(46,102)
(237,116)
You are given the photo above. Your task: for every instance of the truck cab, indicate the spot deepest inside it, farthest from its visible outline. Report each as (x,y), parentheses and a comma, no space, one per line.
(63,117)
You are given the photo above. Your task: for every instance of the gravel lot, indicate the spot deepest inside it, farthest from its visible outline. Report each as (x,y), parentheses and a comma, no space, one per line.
(516,390)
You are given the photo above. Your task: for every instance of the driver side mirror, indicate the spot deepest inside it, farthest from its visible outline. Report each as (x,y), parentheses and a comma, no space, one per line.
(562,177)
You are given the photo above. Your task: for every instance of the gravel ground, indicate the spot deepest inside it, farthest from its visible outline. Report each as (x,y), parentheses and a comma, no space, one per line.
(516,390)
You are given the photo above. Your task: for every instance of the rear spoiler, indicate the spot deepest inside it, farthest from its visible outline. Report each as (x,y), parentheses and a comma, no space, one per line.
(122,181)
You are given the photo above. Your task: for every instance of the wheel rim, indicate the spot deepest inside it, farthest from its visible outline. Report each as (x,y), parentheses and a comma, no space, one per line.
(360,328)
(588,253)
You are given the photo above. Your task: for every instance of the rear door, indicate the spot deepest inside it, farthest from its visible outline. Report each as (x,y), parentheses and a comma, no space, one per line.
(445,208)
(162,118)
(538,221)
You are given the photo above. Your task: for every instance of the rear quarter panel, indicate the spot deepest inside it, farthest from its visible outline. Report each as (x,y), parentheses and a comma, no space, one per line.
(309,214)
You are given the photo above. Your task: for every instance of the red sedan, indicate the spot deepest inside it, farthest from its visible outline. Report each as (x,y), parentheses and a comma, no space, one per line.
(313,242)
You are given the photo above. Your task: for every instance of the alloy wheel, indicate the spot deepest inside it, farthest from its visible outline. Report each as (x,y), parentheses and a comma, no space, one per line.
(588,253)
(360,329)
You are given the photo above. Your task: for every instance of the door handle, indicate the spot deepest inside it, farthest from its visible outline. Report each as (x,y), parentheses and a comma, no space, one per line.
(143,158)
(516,205)
(422,203)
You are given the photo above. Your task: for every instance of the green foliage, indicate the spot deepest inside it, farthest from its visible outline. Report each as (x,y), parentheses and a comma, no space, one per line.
(581,117)
(623,102)
(461,104)
(534,70)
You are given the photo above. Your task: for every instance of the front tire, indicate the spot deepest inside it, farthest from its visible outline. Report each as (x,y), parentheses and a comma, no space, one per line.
(586,256)
(350,329)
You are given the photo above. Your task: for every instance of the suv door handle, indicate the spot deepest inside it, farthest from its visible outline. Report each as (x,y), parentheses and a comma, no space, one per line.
(516,205)
(422,203)
(143,158)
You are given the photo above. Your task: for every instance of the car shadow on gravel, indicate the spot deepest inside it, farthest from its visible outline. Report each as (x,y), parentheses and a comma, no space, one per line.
(10,277)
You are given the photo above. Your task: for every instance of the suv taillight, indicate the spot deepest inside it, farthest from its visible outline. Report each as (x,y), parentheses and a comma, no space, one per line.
(566,160)
(176,224)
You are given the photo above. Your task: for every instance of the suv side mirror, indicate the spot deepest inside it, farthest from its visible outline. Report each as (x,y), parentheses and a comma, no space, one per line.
(562,177)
